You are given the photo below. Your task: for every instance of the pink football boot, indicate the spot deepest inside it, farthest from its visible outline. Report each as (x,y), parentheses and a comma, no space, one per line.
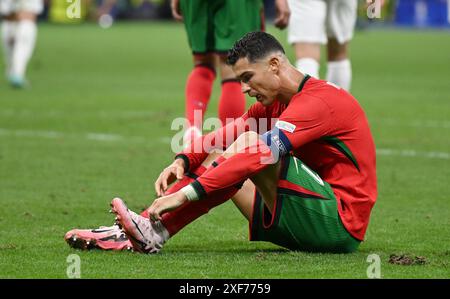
(104,237)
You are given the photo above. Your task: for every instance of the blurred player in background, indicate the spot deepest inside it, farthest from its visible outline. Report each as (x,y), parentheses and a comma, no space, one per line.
(212,27)
(317,22)
(19,31)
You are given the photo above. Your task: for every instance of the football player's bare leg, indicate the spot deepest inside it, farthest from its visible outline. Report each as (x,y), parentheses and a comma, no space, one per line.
(339,69)
(19,32)
(336,51)
(308,58)
(207,59)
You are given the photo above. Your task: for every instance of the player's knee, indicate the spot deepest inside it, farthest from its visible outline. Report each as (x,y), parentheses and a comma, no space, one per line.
(26,15)
(337,51)
(307,50)
(204,60)
(247,139)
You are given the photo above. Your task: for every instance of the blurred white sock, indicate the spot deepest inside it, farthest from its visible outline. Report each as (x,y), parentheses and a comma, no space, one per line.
(308,66)
(340,73)
(25,40)
(8,39)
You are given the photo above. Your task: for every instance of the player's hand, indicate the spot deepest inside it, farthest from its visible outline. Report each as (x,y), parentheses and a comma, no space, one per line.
(282,14)
(176,12)
(165,204)
(171,173)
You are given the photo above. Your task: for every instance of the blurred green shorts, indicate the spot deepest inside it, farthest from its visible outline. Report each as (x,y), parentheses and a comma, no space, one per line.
(215,25)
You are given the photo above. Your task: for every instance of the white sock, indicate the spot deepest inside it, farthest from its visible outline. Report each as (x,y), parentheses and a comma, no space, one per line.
(340,73)
(23,49)
(308,66)
(8,39)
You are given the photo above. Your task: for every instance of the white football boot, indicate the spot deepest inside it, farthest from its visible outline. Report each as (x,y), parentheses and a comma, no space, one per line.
(146,237)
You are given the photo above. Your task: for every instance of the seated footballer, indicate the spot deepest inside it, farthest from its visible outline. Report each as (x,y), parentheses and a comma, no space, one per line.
(308,182)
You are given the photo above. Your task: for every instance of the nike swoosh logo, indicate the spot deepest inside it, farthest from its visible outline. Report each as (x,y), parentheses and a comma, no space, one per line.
(101,230)
(114,238)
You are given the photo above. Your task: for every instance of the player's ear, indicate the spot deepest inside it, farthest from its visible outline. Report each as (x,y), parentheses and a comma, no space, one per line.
(274,63)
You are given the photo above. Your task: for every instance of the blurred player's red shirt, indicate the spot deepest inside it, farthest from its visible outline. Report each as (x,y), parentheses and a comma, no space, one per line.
(328,131)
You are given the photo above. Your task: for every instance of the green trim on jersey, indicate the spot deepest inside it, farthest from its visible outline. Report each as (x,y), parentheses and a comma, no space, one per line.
(340,146)
(214,26)
(305,215)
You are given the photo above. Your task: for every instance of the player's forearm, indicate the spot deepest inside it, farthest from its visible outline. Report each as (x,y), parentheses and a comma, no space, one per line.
(220,139)
(231,171)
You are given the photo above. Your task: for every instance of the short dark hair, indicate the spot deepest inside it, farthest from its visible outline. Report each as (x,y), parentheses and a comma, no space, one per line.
(254,46)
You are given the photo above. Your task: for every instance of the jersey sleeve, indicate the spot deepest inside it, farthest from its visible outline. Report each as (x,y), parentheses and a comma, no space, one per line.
(220,139)
(307,118)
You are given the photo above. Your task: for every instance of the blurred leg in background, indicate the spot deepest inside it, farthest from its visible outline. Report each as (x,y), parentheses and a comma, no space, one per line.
(19,32)
(341,20)
(318,22)
(306,32)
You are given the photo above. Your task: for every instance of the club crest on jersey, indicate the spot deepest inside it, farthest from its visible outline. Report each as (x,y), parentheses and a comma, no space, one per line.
(284,125)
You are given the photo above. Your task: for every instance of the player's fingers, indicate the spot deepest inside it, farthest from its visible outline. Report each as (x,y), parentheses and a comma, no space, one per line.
(158,184)
(176,13)
(164,182)
(152,211)
(154,216)
(276,22)
(282,20)
(177,16)
(179,173)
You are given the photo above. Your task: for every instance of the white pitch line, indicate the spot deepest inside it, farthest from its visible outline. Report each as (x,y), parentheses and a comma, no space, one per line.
(105,137)
(435,124)
(30,133)
(64,113)
(413,153)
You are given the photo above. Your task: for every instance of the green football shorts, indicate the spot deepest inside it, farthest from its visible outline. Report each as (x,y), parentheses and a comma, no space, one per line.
(305,213)
(214,26)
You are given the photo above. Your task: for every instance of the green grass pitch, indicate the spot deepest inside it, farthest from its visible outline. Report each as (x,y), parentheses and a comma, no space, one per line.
(96,124)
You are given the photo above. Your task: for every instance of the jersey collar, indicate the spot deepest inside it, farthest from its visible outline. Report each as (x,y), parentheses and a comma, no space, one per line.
(305,78)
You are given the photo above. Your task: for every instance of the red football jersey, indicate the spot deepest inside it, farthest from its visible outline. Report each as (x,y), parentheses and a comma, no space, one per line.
(325,127)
